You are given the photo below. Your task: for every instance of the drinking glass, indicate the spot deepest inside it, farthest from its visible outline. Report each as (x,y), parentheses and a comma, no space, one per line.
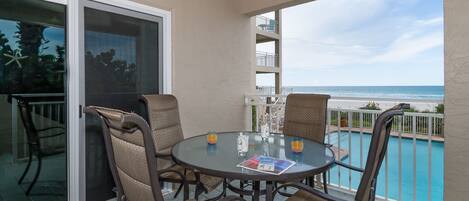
(243,144)
(212,137)
(297,145)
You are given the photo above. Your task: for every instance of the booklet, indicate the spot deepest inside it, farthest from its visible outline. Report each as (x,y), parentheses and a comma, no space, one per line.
(266,164)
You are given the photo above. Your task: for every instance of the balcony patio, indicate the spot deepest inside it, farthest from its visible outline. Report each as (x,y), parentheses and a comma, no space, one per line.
(73,54)
(354,127)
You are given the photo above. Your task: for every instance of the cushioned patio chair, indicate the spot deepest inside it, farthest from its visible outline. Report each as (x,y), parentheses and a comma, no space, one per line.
(132,156)
(163,116)
(377,151)
(305,117)
(34,137)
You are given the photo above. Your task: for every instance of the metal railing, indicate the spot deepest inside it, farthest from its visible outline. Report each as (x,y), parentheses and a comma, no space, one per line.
(45,114)
(266,24)
(268,90)
(408,161)
(266,59)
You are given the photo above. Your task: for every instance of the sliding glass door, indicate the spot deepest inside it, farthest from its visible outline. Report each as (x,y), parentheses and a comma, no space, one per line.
(123,60)
(33,114)
(110,56)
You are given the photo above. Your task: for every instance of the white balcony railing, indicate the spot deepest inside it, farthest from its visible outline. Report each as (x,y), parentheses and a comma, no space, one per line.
(266,24)
(266,59)
(410,170)
(44,114)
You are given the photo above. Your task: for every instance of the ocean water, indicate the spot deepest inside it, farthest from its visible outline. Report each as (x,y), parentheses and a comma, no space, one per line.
(397,92)
(407,169)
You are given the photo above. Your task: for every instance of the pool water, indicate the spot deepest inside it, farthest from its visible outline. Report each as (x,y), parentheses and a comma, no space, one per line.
(422,155)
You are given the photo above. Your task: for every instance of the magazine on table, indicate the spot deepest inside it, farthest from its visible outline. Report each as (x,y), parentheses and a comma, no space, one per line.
(266,164)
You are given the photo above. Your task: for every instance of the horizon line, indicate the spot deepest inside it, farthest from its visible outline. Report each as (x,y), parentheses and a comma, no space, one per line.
(355,86)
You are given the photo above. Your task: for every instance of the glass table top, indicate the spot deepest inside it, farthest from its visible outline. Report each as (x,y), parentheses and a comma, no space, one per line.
(222,158)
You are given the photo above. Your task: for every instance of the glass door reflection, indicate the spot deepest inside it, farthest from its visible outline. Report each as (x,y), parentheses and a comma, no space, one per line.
(122,62)
(33,113)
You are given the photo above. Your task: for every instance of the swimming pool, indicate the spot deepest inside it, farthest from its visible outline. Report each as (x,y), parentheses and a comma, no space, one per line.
(437,166)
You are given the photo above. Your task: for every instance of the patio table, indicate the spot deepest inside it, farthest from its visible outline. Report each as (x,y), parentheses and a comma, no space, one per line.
(221,159)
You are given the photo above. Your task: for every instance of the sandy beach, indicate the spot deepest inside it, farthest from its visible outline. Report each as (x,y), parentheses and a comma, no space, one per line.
(383,104)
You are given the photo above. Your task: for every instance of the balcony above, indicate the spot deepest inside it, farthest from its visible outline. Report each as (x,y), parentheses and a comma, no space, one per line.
(267,29)
(267,62)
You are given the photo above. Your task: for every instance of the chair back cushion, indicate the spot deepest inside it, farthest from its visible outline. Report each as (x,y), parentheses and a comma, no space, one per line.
(305,116)
(130,151)
(163,116)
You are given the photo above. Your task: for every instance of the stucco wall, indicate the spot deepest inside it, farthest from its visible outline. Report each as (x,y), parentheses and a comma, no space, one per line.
(456,100)
(256,7)
(211,63)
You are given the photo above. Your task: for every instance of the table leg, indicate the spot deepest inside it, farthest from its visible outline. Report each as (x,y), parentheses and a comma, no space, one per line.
(268,191)
(256,188)
(241,186)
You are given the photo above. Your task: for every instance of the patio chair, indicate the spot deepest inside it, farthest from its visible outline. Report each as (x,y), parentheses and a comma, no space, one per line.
(305,117)
(34,138)
(131,154)
(163,116)
(377,151)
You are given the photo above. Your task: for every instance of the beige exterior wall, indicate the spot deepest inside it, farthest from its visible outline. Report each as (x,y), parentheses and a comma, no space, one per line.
(456,100)
(256,7)
(211,63)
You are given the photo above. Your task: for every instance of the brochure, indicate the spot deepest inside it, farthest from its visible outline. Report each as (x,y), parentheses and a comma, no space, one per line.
(266,164)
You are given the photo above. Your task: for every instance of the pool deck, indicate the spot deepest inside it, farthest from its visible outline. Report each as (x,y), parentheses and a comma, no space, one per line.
(368,131)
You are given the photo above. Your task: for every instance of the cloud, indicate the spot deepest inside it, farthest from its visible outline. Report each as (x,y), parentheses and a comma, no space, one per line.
(431,21)
(408,46)
(332,34)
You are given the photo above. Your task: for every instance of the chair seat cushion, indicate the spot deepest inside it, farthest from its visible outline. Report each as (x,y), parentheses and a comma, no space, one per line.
(304,196)
(209,182)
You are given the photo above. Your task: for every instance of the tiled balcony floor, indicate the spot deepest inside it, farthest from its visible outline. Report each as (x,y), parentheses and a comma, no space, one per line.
(247,198)
(50,186)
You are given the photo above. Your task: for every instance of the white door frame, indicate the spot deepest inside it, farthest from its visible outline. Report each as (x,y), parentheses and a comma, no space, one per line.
(76,90)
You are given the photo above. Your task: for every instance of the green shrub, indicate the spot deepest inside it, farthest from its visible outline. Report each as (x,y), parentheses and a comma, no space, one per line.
(371,106)
(440,108)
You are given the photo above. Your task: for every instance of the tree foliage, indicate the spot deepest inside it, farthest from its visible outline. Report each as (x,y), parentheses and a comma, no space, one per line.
(39,72)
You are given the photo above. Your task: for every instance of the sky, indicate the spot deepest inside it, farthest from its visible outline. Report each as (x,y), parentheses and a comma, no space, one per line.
(361,43)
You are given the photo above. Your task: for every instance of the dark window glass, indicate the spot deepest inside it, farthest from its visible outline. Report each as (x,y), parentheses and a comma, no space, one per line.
(122,62)
(32,70)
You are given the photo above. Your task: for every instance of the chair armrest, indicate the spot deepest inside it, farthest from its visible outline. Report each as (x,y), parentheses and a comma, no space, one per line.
(163,155)
(183,178)
(349,166)
(309,189)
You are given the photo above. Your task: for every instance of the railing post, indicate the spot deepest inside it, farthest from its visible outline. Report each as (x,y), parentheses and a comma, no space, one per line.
(328,128)
(414,164)
(429,158)
(361,140)
(399,156)
(349,122)
(14,128)
(338,144)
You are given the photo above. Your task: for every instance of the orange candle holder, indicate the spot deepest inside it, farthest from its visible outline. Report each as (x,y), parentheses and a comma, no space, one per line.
(212,138)
(297,146)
